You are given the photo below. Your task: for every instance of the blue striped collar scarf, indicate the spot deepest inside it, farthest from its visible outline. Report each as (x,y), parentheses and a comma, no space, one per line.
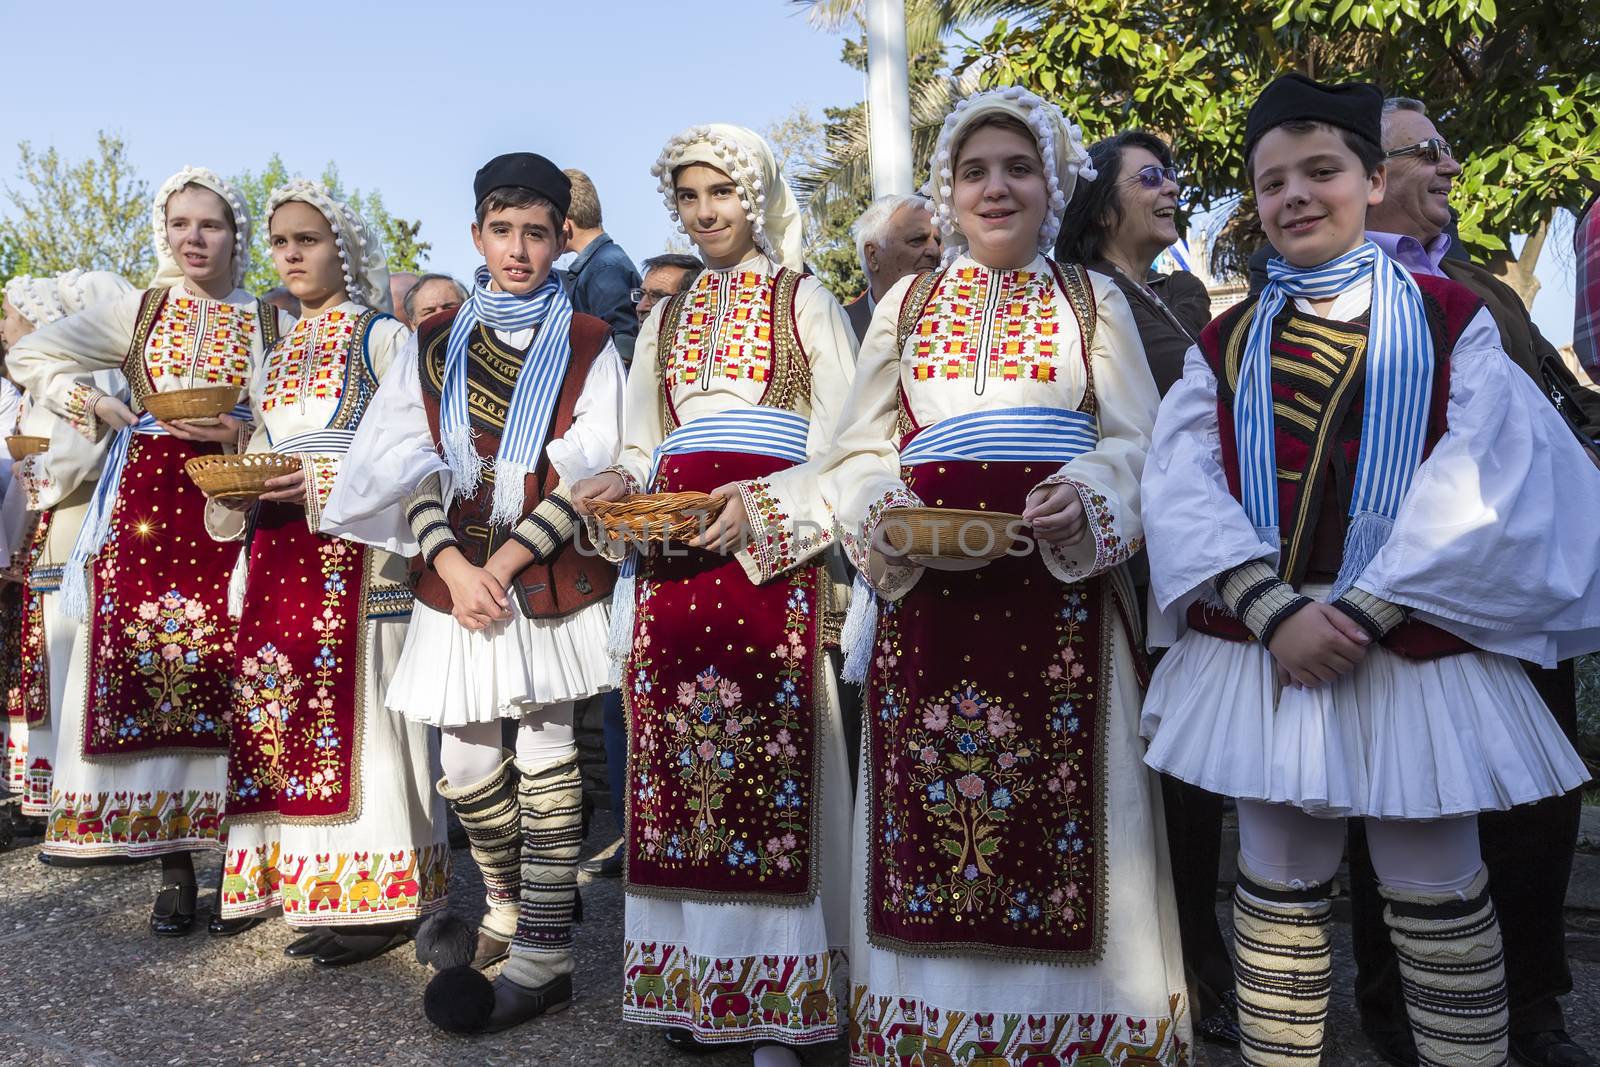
(533,400)
(1399,381)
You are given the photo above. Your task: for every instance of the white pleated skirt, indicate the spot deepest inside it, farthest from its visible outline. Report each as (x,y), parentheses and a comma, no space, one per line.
(1396,738)
(451,676)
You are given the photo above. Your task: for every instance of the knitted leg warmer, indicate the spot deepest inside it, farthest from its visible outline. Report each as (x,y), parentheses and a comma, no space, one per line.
(551,798)
(488,813)
(1283,969)
(1452,973)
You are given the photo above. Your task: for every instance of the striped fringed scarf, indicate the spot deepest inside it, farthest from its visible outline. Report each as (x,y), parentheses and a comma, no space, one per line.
(1395,415)
(533,400)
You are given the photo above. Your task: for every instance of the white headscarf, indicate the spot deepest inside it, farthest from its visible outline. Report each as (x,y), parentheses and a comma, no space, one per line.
(1060,146)
(744,156)
(366,264)
(167,270)
(36,299)
(45,300)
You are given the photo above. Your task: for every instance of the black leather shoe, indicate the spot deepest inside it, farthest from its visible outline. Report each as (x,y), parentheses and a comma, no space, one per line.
(220,927)
(172,915)
(338,952)
(1222,1025)
(683,1039)
(1549,1048)
(309,945)
(1393,1046)
(514,1004)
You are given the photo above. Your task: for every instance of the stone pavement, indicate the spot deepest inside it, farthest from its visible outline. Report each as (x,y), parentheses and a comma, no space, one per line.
(82,984)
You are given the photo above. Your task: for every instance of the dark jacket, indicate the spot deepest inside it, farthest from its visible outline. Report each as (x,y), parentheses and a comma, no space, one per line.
(859,311)
(1165,341)
(599,282)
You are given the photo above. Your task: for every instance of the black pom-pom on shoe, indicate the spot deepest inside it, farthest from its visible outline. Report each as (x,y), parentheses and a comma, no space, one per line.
(444,941)
(459,1000)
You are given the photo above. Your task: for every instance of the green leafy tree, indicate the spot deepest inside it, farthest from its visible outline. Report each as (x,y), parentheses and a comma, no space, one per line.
(401,237)
(1514,83)
(93,214)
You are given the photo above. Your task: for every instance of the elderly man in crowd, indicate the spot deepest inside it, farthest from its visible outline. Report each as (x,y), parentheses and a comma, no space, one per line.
(1528,850)
(401,282)
(895,237)
(600,280)
(665,276)
(432,294)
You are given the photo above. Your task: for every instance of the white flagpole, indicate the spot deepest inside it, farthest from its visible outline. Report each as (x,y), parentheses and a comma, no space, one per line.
(888,97)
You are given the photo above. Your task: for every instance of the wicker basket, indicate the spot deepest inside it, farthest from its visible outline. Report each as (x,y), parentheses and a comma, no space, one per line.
(657,516)
(21,446)
(206,402)
(950,533)
(238,477)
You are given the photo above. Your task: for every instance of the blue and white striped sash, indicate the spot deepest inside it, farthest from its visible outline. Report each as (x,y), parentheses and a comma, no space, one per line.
(335,442)
(1034,434)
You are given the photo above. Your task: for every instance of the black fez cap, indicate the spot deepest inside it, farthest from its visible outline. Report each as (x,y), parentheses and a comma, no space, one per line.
(525,170)
(1353,106)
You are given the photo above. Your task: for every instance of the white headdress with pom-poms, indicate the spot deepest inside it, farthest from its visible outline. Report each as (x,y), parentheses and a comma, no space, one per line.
(744,156)
(36,299)
(366,264)
(1060,145)
(80,289)
(168,272)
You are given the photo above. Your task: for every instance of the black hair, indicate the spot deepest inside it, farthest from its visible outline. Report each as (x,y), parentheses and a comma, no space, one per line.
(1096,208)
(1368,152)
(509,197)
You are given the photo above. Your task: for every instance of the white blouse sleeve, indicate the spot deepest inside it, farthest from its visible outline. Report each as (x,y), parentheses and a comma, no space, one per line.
(1107,476)
(1194,527)
(392,453)
(790,522)
(642,430)
(590,444)
(53,364)
(1496,539)
(860,475)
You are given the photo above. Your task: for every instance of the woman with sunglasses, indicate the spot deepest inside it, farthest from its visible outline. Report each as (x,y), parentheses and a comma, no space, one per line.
(1117,226)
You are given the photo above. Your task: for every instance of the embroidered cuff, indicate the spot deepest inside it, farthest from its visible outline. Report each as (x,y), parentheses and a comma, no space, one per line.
(321,472)
(81,400)
(1073,563)
(549,526)
(429,522)
(777,541)
(1376,615)
(630,484)
(858,544)
(1262,601)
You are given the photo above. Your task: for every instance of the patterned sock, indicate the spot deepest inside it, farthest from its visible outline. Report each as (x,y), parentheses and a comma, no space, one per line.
(1452,972)
(488,813)
(1283,969)
(551,798)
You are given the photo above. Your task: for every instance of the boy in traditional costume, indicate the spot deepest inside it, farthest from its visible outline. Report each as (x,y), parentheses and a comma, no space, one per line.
(1347,502)
(331,814)
(464,462)
(45,507)
(737,795)
(142,757)
(1010,861)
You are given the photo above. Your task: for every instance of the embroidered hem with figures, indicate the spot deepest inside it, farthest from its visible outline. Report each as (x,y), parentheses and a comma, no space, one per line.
(888,1030)
(299,681)
(28,695)
(724,1000)
(343,888)
(725,754)
(987,790)
(135,824)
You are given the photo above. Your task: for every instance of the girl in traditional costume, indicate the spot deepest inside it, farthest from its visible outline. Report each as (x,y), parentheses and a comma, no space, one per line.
(53,490)
(1012,894)
(331,812)
(737,798)
(1348,502)
(142,752)
(464,461)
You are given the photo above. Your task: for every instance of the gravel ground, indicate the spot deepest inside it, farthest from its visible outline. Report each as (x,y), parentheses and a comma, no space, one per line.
(83,983)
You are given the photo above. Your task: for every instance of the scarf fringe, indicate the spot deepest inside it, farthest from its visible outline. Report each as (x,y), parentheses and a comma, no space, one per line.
(509,500)
(236,584)
(1367,534)
(624,609)
(75,593)
(462,459)
(860,631)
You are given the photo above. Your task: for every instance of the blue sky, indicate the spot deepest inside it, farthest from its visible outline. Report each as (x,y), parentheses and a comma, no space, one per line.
(411,98)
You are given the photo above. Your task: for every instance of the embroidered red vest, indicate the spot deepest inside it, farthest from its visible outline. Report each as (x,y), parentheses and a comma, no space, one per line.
(1318,385)
(576,577)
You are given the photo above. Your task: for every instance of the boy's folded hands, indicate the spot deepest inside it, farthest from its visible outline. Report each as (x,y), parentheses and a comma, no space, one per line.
(1316,644)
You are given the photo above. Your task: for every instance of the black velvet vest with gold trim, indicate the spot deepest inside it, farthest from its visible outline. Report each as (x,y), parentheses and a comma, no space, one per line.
(1318,398)
(576,576)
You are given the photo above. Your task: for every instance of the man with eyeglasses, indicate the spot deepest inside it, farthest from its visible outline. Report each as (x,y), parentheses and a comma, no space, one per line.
(1528,849)
(665,276)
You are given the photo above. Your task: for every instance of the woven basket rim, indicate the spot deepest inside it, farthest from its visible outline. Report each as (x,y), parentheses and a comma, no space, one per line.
(657,516)
(939,532)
